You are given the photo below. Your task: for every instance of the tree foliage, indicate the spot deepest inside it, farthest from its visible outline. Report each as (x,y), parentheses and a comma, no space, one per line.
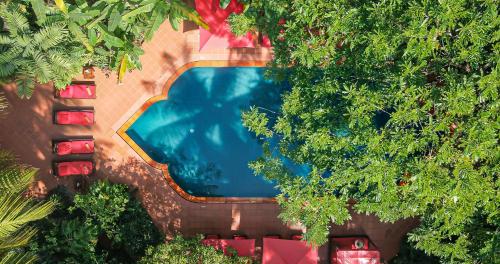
(186,251)
(395,106)
(409,255)
(113,31)
(35,52)
(42,41)
(105,225)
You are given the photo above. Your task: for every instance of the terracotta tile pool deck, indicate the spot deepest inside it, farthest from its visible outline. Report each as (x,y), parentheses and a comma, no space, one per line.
(27,131)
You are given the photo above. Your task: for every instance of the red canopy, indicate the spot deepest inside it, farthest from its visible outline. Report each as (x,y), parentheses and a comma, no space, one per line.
(353,250)
(219,34)
(282,251)
(244,247)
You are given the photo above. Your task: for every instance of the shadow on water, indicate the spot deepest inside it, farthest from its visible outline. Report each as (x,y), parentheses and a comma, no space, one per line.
(198,131)
(186,170)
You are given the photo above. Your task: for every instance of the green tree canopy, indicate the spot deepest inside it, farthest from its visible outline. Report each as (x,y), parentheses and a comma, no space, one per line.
(394,106)
(105,225)
(187,251)
(42,41)
(35,52)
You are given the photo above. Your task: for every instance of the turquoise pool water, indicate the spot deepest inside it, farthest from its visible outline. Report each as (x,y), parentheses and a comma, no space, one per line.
(198,131)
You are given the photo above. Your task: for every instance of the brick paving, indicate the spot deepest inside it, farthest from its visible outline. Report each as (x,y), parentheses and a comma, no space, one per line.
(27,131)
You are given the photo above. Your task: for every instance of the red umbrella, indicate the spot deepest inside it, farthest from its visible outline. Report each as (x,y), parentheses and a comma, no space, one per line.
(282,251)
(219,34)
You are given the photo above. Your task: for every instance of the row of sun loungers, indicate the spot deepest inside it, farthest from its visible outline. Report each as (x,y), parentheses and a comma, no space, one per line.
(69,147)
(73,146)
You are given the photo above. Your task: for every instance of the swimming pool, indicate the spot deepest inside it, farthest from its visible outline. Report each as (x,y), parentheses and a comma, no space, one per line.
(197,130)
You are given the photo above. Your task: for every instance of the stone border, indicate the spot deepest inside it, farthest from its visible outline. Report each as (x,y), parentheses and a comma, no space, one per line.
(164,167)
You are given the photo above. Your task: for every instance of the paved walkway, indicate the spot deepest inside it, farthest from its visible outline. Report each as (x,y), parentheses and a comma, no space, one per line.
(27,131)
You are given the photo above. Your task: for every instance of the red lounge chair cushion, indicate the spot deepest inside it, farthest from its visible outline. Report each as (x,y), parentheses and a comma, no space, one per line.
(74,168)
(356,257)
(75,147)
(85,118)
(81,91)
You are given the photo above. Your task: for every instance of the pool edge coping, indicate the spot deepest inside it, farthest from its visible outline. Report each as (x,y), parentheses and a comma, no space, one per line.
(164,167)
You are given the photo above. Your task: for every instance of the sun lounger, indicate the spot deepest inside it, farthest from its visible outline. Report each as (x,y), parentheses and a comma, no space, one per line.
(74,117)
(71,168)
(78,91)
(353,250)
(73,146)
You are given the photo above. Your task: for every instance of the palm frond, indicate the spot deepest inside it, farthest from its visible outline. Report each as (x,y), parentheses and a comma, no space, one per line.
(18,258)
(7,69)
(4,105)
(25,87)
(24,41)
(179,8)
(7,159)
(14,20)
(41,67)
(5,40)
(59,61)
(15,179)
(158,16)
(76,31)
(18,239)
(16,211)
(50,36)
(40,10)
(10,54)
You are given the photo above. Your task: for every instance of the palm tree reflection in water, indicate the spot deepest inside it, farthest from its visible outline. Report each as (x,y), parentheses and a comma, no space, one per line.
(198,131)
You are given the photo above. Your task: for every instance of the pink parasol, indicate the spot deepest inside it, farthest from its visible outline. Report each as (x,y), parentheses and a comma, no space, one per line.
(282,251)
(219,34)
